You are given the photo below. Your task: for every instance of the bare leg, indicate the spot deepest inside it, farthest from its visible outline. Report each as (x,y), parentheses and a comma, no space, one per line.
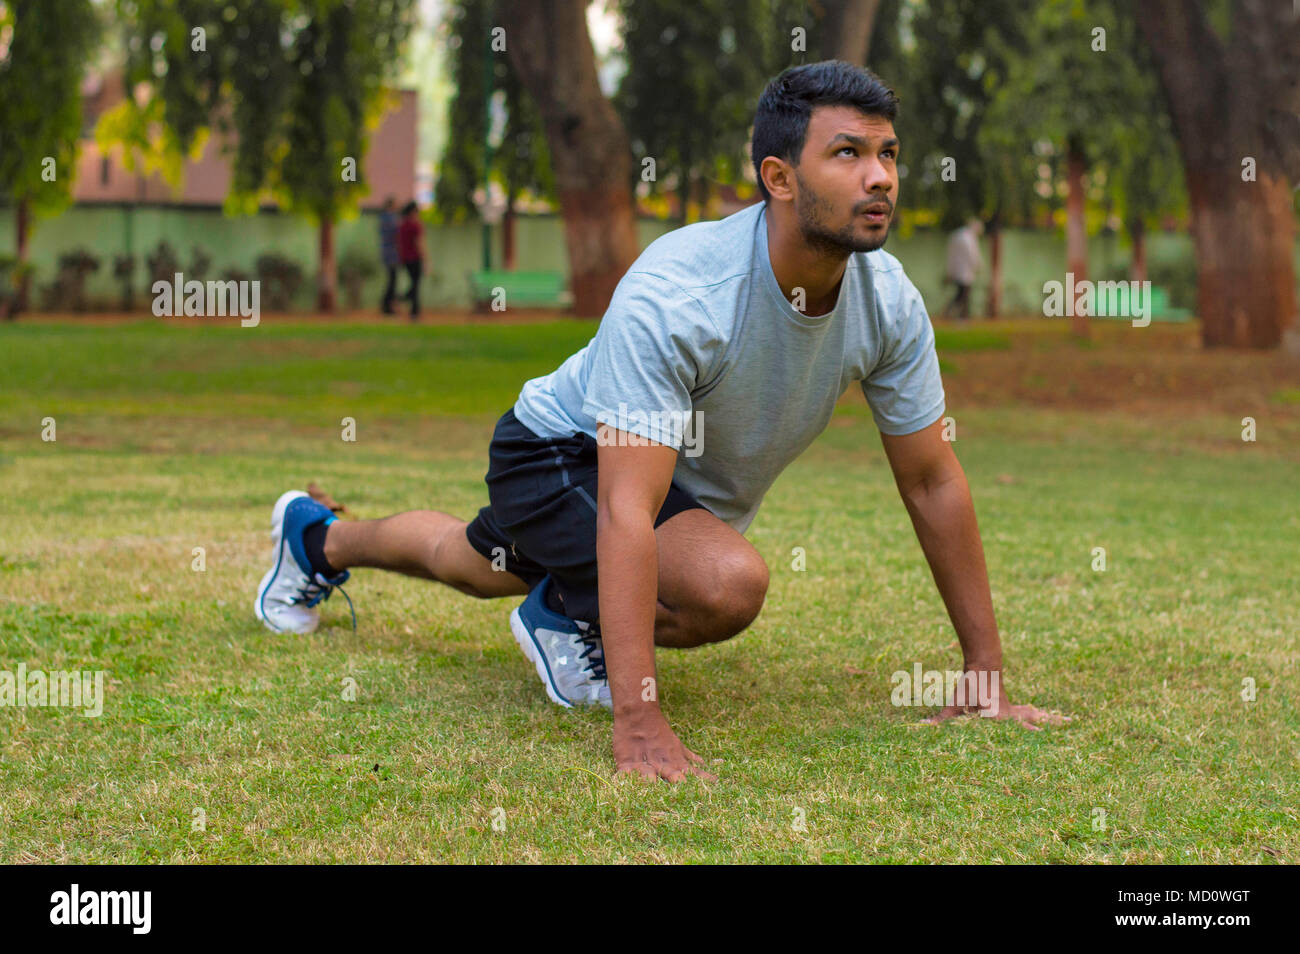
(711,579)
(424,543)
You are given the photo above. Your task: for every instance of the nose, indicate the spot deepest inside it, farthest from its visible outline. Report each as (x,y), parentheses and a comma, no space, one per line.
(876,178)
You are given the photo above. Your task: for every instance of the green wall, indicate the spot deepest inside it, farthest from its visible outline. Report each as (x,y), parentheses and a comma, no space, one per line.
(1030,257)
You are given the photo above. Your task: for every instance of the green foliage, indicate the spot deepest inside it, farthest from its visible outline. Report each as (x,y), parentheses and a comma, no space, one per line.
(281,277)
(1107,103)
(44,48)
(520,162)
(1177,277)
(947,61)
(67,292)
(1000,89)
(299,82)
(695,71)
(355,267)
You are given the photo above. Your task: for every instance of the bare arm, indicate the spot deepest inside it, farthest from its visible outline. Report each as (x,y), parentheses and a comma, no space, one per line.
(632,484)
(938,499)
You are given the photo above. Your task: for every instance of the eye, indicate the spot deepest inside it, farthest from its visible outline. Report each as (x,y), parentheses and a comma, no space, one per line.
(848,149)
(891,153)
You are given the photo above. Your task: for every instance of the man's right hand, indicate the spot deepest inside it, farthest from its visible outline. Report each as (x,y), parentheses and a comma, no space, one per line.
(647,746)
(633,479)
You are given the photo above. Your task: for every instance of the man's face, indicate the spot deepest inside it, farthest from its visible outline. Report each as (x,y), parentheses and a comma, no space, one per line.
(847,180)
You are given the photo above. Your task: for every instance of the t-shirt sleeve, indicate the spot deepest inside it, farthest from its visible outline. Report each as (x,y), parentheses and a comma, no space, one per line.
(904,390)
(654,347)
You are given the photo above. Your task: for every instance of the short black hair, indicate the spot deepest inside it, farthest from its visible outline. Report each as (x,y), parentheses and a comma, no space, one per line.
(781,120)
(409,207)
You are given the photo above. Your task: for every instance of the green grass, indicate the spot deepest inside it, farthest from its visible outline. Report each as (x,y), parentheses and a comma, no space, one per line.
(171,438)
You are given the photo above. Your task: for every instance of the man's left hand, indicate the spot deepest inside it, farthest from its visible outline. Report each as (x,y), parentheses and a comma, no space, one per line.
(1029,716)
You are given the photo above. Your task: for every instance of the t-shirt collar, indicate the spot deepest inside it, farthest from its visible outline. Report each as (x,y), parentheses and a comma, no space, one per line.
(774,287)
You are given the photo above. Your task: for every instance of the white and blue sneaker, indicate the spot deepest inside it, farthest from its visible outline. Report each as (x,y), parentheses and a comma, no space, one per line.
(288,595)
(567,653)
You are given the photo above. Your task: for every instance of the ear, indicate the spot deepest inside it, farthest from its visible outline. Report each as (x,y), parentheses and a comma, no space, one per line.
(778,176)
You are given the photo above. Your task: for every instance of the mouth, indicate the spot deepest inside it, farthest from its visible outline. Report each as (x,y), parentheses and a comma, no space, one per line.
(877,215)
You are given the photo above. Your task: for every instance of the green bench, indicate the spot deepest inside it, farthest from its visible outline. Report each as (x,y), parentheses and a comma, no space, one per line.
(511,289)
(1160,307)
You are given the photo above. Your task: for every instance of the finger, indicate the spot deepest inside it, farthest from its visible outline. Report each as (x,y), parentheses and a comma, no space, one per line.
(948,712)
(707,776)
(671,773)
(692,756)
(639,769)
(1029,725)
(1042,715)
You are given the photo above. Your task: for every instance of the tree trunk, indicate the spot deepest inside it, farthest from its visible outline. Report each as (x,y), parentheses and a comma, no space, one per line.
(995,265)
(703,194)
(1137,230)
(846,29)
(1076,235)
(1243,234)
(550,49)
(508,234)
(23,227)
(1230,104)
(327,285)
(684,197)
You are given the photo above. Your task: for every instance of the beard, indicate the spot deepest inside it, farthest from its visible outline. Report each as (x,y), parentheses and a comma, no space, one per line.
(813,211)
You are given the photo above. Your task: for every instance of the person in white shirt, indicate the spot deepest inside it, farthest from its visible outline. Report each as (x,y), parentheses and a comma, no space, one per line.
(964,262)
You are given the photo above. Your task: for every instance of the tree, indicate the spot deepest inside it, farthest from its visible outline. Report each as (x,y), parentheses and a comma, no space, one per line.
(519,162)
(846,29)
(956,160)
(1081,61)
(299,83)
(549,47)
(1235,102)
(44,48)
(1148,183)
(709,59)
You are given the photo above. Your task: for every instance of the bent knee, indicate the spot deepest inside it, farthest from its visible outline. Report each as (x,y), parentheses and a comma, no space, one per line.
(732,596)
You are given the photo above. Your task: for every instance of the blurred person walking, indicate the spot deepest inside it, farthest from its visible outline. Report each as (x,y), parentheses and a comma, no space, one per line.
(410,248)
(964,263)
(388,223)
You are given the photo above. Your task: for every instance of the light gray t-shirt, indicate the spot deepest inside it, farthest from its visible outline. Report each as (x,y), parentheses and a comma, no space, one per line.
(698,333)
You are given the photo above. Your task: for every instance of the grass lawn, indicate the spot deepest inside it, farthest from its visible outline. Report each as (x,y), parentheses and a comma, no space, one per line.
(173,436)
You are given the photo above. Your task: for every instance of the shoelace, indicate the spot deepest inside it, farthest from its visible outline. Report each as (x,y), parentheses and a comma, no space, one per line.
(313,591)
(596,662)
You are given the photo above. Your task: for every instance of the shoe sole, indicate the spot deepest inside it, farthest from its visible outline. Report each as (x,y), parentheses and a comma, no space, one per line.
(533,653)
(277,534)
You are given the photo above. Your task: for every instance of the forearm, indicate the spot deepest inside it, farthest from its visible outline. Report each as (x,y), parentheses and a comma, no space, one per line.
(943,515)
(627,560)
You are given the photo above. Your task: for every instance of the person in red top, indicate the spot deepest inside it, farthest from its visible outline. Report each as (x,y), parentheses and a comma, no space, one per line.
(410,248)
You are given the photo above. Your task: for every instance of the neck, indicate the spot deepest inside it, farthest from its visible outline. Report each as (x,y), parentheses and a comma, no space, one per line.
(796,264)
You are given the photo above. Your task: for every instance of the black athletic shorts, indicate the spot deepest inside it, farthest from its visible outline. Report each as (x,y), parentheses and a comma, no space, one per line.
(542,513)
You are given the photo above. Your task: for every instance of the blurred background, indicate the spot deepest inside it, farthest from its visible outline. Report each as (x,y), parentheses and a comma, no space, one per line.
(1156,140)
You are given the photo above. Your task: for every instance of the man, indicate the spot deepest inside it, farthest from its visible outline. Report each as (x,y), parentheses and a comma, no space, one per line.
(388,251)
(410,247)
(964,261)
(743,332)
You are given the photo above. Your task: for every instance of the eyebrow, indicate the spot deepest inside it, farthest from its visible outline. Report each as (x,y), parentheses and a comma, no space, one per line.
(860,142)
